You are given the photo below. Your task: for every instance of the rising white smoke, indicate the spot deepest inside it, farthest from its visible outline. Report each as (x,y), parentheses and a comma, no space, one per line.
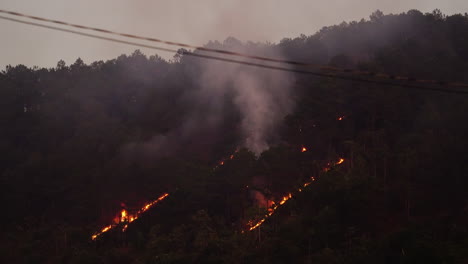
(262,96)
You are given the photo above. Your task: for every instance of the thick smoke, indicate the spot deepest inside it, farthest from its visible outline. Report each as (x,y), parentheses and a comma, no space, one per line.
(250,101)
(262,97)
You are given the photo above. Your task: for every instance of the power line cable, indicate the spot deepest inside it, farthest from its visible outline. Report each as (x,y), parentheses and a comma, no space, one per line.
(88,35)
(328,75)
(172,43)
(244,55)
(254,64)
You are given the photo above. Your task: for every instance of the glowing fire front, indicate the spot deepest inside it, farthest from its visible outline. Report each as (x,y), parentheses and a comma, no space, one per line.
(275,206)
(125,218)
(221,162)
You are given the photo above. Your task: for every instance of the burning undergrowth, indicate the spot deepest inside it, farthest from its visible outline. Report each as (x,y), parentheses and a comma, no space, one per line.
(124,218)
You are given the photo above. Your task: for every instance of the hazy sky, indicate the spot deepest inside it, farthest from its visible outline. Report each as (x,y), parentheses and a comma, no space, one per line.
(189,21)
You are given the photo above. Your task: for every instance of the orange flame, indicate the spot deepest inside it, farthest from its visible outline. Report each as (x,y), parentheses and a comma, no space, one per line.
(105,229)
(329,165)
(287,197)
(126,219)
(123,216)
(304,149)
(221,162)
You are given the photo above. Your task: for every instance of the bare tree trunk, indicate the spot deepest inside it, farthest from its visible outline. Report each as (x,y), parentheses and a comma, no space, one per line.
(375,168)
(385,175)
(259,234)
(408,207)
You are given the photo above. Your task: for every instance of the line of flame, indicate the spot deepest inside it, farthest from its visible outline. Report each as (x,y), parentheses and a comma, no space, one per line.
(221,162)
(125,218)
(289,196)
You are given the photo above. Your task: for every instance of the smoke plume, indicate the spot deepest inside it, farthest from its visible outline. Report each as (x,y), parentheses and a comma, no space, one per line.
(249,100)
(261,96)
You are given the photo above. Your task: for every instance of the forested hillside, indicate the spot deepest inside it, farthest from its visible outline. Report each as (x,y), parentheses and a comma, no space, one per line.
(80,142)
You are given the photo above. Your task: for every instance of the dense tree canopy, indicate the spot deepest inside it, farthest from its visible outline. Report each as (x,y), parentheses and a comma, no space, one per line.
(79,141)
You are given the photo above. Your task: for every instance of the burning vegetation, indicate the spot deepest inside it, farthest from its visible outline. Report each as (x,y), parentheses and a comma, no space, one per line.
(124,218)
(253,225)
(134,122)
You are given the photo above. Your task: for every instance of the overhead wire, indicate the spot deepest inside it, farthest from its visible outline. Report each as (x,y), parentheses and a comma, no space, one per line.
(329,75)
(239,54)
(172,43)
(236,61)
(88,34)
(224,59)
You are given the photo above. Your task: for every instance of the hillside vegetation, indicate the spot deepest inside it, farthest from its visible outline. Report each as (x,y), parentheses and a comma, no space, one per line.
(77,141)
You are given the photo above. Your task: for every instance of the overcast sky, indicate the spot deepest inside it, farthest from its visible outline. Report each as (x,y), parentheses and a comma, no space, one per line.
(189,21)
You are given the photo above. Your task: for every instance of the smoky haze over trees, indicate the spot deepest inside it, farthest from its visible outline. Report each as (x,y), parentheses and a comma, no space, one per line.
(78,141)
(226,98)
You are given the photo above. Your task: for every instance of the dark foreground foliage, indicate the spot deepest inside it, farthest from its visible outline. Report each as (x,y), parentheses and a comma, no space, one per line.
(69,157)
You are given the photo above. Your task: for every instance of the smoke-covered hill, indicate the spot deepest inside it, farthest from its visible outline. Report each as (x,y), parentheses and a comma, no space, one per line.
(79,140)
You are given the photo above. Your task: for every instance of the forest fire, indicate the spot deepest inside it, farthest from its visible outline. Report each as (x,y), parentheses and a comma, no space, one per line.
(125,218)
(275,206)
(287,197)
(221,162)
(105,229)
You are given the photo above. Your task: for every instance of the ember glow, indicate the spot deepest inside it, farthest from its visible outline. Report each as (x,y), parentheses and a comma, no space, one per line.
(221,162)
(123,216)
(341,118)
(105,229)
(329,164)
(275,206)
(304,149)
(126,218)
